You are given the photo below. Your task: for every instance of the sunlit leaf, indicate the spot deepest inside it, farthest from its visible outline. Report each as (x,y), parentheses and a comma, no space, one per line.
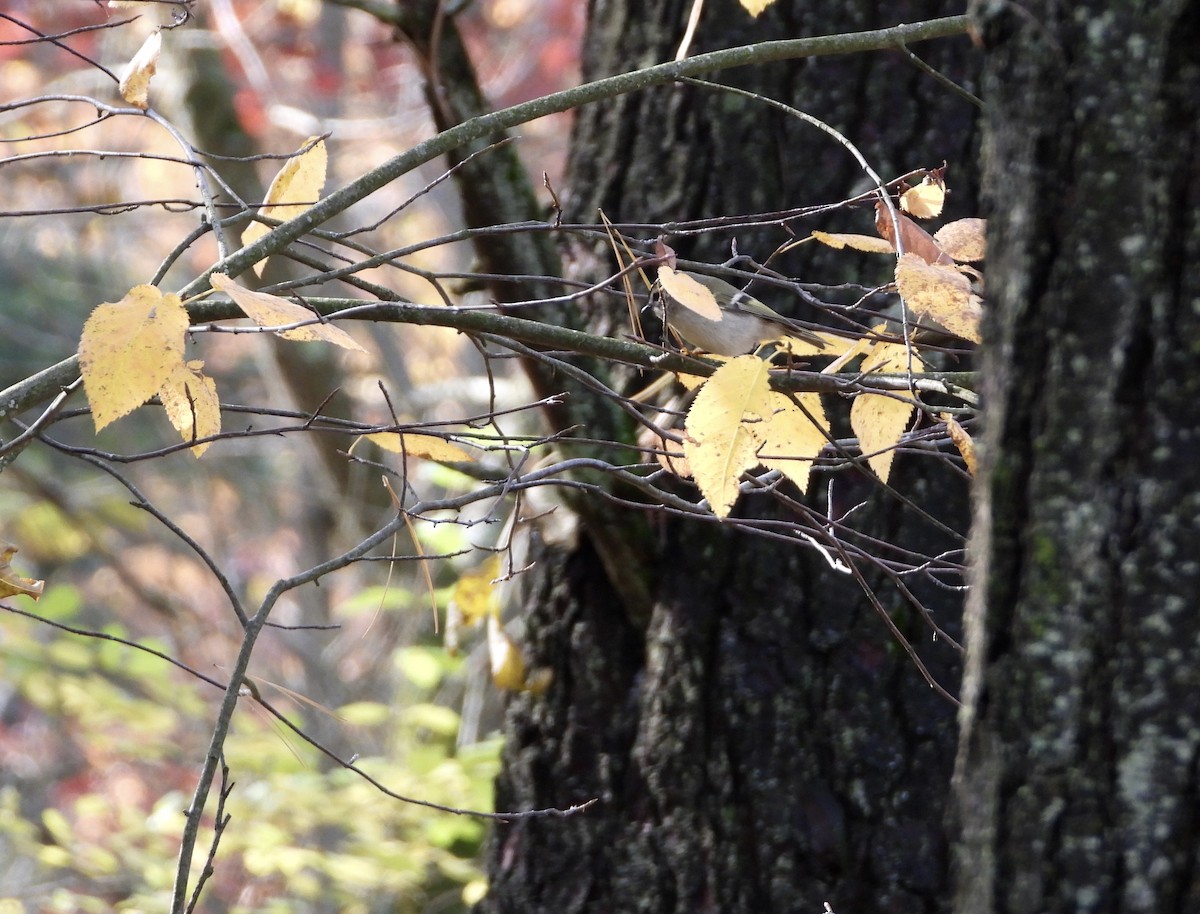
(793,435)
(268,310)
(925,201)
(135,80)
(868,243)
(721,442)
(754,7)
(129,349)
(962,440)
(190,399)
(294,189)
(879,421)
(964,239)
(941,293)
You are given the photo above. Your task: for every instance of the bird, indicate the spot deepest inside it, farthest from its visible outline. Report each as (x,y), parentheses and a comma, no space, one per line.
(745,324)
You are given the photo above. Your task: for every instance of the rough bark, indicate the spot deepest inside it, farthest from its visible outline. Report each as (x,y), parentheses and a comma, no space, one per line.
(1078,776)
(758,743)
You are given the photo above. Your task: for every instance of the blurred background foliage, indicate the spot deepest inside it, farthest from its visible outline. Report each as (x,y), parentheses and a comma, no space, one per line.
(100,743)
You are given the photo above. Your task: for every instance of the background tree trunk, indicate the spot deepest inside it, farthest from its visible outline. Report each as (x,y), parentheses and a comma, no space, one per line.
(1078,784)
(757,741)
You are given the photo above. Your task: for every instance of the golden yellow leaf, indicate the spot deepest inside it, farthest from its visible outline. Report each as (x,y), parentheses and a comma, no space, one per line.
(853,349)
(12,583)
(940,292)
(190,399)
(129,349)
(475,596)
(296,188)
(268,310)
(413,444)
(721,441)
(868,243)
(790,439)
(135,80)
(508,666)
(881,355)
(754,7)
(962,440)
(689,292)
(879,422)
(964,239)
(925,200)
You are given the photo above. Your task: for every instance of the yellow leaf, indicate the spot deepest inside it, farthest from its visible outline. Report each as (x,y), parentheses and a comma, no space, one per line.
(868,243)
(12,583)
(689,292)
(962,440)
(940,292)
(754,7)
(721,441)
(129,349)
(475,595)
(135,81)
(853,349)
(889,357)
(879,422)
(268,310)
(190,399)
(296,188)
(508,666)
(413,444)
(790,439)
(834,344)
(925,200)
(964,239)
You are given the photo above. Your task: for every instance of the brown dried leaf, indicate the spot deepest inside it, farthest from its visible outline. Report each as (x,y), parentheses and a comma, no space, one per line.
(913,238)
(962,440)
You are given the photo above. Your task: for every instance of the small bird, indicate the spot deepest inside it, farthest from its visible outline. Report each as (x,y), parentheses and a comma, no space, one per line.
(745,324)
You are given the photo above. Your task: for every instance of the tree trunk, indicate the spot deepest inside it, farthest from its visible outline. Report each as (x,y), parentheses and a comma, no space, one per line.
(757,741)
(1078,777)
